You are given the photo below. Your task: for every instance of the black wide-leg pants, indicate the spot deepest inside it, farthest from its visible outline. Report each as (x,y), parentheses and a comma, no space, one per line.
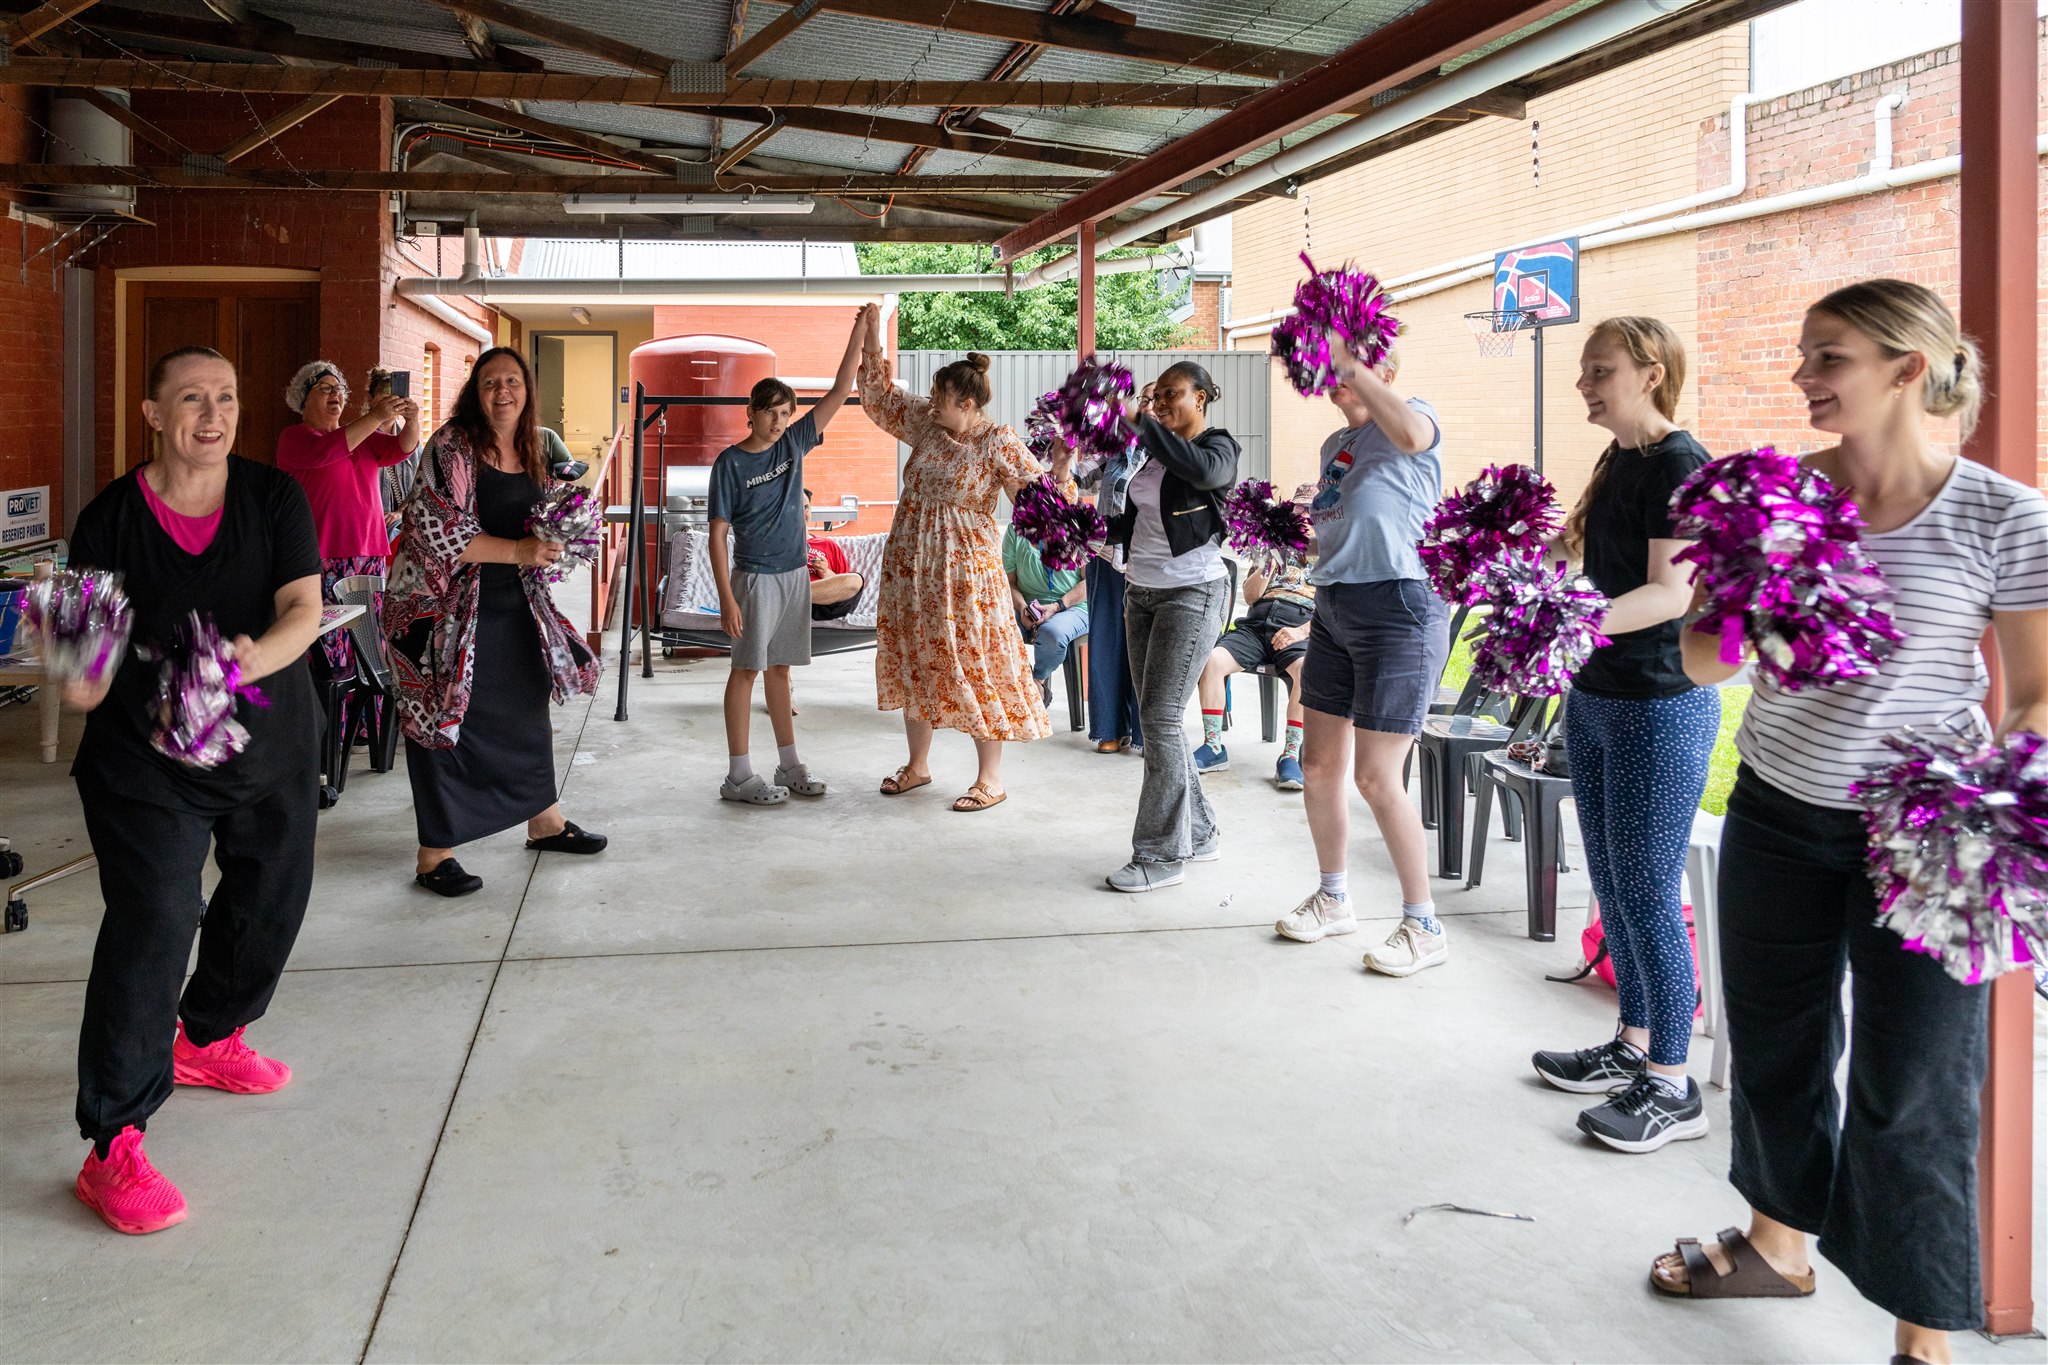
(150,862)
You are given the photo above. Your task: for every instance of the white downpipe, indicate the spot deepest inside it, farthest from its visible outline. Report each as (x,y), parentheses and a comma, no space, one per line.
(479,286)
(1552,45)
(461,322)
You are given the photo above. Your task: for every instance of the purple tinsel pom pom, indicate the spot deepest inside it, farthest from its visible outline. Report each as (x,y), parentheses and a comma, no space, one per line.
(568,515)
(1508,508)
(195,699)
(1783,566)
(1346,306)
(1063,531)
(1042,428)
(81,620)
(1959,849)
(1264,528)
(1089,409)
(1541,628)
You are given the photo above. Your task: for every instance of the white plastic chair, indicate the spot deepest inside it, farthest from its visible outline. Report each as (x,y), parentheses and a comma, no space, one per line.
(1702,876)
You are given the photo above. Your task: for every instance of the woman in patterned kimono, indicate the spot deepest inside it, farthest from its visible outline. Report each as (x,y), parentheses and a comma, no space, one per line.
(477,645)
(947,650)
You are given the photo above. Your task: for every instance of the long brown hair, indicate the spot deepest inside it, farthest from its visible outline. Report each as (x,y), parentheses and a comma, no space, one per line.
(1646,342)
(472,421)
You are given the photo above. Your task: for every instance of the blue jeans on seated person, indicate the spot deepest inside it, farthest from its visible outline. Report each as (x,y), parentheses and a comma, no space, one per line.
(1056,634)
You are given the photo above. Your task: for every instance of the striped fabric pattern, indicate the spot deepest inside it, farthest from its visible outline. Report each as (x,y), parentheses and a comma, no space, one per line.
(1981,546)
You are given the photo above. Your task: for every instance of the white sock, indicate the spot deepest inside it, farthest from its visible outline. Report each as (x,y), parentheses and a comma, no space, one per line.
(1335,885)
(738,768)
(1676,1086)
(1423,914)
(785,754)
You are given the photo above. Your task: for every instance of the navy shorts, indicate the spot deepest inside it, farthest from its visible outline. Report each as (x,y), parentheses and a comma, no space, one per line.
(1375,652)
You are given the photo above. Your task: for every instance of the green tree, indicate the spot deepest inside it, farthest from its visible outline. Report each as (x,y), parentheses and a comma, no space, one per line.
(1131,312)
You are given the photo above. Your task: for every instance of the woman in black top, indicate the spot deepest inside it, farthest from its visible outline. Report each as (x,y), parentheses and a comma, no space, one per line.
(478,648)
(1169,525)
(195,529)
(1640,735)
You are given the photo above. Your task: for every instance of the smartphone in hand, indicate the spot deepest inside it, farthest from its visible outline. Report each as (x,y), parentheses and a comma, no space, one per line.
(401,383)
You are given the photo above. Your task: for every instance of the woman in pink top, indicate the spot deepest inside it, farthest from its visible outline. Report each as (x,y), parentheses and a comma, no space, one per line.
(338,466)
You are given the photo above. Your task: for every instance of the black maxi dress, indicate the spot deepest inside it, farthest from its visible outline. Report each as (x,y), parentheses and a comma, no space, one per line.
(501,771)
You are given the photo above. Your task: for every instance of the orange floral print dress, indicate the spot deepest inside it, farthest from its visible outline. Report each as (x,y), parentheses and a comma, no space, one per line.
(947,648)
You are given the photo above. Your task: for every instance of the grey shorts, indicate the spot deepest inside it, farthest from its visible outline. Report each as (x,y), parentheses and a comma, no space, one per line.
(775,619)
(1375,651)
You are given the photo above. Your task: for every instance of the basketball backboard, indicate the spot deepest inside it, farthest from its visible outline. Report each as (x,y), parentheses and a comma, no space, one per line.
(1541,279)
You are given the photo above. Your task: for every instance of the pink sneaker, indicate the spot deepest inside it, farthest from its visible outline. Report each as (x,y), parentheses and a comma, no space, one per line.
(229,1064)
(125,1190)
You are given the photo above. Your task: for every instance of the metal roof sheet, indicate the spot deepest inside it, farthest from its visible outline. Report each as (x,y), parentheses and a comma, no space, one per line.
(551,259)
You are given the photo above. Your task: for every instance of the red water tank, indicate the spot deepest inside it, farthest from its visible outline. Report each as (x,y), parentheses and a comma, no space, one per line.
(714,366)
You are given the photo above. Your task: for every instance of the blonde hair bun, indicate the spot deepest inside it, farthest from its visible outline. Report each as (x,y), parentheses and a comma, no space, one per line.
(1903,317)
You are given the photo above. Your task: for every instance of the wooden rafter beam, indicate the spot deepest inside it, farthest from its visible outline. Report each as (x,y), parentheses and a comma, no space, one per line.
(576,39)
(476,36)
(778,28)
(42,19)
(1086,33)
(272,127)
(735,34)
(573,137)
(939,138)
(262,41)
(430,182)
(243,78)
(134,123)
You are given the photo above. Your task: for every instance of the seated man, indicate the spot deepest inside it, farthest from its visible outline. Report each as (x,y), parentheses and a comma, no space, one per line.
(834,587)
(1051,608)
(1274,631)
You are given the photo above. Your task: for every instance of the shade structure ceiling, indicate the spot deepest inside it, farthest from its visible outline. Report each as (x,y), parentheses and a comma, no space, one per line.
(934,120)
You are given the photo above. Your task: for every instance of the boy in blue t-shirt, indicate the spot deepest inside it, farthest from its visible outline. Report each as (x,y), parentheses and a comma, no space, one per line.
(764,580)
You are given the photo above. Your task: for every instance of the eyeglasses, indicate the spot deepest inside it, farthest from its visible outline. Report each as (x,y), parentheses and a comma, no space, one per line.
(330,389)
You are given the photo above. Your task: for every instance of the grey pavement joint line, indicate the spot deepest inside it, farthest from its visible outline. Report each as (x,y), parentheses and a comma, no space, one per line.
(455,1091)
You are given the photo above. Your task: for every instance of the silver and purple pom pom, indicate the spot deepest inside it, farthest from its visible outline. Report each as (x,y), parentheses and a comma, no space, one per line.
(197,688)
(1064,532)
(1332,308)
(81,621)
(1541,628)
(1089,410)
(1265,530)
(1959,849)
(568,515)
(1506,510)
(1778,550)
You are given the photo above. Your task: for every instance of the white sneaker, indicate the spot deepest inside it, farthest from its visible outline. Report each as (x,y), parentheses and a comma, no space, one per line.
(755,791)
(1320,916)
(1408,950)
(799,779)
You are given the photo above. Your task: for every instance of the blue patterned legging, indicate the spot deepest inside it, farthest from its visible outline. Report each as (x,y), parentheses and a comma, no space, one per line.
(1638,768)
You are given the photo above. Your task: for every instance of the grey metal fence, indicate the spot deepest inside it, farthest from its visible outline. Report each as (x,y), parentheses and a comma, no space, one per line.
(1019,377)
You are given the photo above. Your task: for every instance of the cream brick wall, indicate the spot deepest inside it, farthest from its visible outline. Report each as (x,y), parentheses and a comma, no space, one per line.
(1623,140)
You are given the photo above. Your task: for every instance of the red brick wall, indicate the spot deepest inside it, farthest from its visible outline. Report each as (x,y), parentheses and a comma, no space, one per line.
(1200,330)
(857,457)
(1757,277)
(31,324)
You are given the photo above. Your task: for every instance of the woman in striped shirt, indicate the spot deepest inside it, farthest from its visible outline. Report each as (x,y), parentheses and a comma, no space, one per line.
(1890,1188)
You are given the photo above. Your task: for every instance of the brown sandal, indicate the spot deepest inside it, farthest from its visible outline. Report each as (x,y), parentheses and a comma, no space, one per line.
(1753,1277)
(980,796)
(896,786)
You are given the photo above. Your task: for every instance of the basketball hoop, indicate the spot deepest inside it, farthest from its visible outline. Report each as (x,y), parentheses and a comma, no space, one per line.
(1495,329)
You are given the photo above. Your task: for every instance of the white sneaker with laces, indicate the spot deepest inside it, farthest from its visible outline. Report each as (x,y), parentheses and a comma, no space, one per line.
(1320,916)
(1408,950)
(800,780)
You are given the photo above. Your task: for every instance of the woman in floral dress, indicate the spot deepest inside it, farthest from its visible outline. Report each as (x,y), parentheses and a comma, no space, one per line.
(947,650)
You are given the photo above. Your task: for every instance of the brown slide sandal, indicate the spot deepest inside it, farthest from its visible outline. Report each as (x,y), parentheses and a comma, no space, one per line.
(979,797)
(1751,1278)
(897,785)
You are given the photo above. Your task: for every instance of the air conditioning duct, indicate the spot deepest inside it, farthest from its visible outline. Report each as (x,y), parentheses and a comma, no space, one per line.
(82,135)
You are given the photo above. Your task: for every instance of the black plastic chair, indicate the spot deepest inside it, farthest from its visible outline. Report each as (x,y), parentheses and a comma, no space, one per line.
(334,687)
(1077,695)
(1449,746)
(1538,795)
(378,723)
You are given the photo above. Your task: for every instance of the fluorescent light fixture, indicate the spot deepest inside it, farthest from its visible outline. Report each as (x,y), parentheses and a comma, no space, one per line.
(687,203)
(582,315)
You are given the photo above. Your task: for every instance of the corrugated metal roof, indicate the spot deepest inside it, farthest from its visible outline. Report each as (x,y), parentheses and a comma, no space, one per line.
(598,260)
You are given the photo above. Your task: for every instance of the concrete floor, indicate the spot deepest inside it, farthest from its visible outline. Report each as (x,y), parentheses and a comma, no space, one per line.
(862,1079)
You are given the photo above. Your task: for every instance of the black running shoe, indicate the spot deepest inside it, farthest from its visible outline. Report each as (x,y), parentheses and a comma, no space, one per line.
(1591,1070)
(1646,1116)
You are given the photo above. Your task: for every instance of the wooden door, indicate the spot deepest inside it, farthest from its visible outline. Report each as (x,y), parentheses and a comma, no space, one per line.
(266,329)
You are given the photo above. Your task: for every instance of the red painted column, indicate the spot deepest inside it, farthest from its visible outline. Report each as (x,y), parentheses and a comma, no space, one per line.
(2000,303)
(1084,330)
